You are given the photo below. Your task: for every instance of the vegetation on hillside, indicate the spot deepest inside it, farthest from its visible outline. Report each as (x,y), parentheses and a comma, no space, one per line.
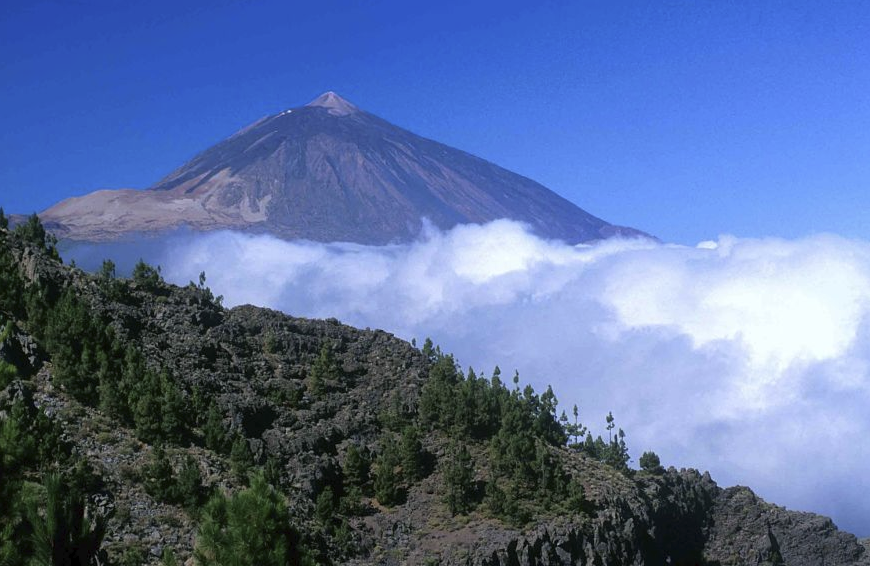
(501,446)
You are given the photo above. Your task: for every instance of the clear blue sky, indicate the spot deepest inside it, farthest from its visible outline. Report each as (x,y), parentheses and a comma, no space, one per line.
(685,119)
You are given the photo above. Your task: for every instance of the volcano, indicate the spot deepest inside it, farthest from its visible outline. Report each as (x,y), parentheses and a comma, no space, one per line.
(328,171)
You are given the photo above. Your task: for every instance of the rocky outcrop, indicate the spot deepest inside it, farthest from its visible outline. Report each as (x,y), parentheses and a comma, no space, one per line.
(680,517)
(746,530)
(20,350)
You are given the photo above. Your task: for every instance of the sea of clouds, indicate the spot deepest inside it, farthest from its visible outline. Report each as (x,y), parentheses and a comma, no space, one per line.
(745,357)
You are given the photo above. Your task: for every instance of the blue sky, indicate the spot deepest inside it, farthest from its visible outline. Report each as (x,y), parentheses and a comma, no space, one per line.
(685,119)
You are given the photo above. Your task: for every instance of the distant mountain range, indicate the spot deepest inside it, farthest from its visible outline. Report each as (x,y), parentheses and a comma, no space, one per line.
(327,171)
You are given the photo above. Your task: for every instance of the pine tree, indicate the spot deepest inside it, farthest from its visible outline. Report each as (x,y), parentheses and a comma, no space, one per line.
(575,429)
(8,373)
(351,502)
(458,480)
(428,350)
(617,452)
(34,232)
(72,338)
(512,449)
(159,481)
(546,424)
(272,472)
(82,478)
(610,426)
(12,291)
(650,462)
(241,459)
(173,409)
(549,484)
(356,467)
(12,525)
(17,445)
(118,393)
(437,402)
(112,401)
(343,537)
(249,528)
(412,454)
(324,508)
(387,489)
(189,489)
(147,407)
(496,499)
(214,431)
(106,278)
(145,276)
(576,502)
(325,371)
(62,532)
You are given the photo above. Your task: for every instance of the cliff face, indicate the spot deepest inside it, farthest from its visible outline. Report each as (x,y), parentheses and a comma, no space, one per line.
(328,171)
(257,367)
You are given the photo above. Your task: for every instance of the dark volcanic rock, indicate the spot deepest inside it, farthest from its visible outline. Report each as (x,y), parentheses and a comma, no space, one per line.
(328,171)
(746,530)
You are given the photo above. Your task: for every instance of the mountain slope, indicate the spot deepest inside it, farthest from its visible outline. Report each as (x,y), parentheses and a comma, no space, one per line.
(328,171)
(299,396)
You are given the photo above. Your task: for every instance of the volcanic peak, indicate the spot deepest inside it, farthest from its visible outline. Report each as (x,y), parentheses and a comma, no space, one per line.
(335,104)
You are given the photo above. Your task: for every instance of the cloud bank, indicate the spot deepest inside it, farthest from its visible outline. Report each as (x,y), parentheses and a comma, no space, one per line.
(746,357)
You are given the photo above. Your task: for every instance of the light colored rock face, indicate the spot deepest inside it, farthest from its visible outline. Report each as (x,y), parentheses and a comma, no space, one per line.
(336,105)
(327,171)
(112,215)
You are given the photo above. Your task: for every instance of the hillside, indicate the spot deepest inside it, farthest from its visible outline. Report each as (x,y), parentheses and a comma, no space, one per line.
(377,451)
(327,171)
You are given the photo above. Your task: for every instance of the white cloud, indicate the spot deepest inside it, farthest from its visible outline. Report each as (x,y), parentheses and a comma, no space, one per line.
(745,357)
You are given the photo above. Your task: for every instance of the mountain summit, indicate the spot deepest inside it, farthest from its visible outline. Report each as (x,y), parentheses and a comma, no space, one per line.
(336,105)
(328,171)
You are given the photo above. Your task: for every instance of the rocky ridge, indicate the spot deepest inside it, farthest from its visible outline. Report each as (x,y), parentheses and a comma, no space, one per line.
(256,362)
